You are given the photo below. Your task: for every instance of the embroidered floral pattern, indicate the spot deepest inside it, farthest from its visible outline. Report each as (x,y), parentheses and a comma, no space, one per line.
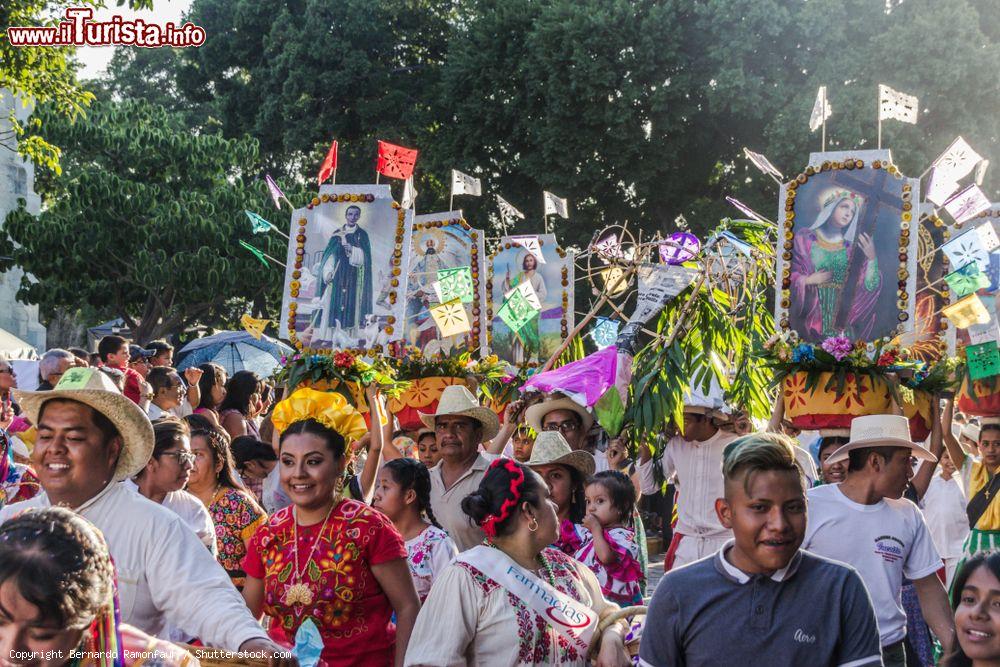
(236,519)
(621,582)
(420,558)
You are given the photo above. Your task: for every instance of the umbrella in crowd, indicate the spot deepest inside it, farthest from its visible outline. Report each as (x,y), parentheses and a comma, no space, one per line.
(234,351)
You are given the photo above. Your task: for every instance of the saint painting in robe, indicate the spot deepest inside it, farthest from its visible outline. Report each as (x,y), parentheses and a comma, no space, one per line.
(344,274)
(821,257)
(527,342)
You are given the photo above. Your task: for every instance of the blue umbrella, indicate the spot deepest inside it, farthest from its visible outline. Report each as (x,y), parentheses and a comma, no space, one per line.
(234,351)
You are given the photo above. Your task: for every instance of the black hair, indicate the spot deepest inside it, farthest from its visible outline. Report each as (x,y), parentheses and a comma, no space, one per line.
(578,495)
(989,559)
(218,443)
(858,458)
(986,427)
(247,448)
(210,374)
(159,346)
(109,345)
(494,489)
(160,378)
(58,563)
(241,386)
(79,353)
(334,441)
(167,432)
(425,434)
(830,441)
(412,474)
(619,487)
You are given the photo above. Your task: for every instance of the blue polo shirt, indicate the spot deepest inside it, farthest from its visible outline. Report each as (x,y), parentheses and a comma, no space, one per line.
(813,612)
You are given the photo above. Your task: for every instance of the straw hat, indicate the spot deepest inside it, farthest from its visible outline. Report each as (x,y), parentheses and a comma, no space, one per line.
(551,449)
(91,387)
(534,415)
(880,431)
(971,431)
(459,401)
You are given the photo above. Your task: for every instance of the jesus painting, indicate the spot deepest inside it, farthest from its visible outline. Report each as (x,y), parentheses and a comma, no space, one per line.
(821,257)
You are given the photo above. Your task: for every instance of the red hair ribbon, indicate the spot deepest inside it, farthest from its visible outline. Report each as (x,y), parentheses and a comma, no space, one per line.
(516,481)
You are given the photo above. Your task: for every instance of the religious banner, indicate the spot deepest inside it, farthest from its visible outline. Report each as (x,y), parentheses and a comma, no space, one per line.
(658,283)
(552,282)
(447,263)
(346,274)
(986,223)
(530,243)
(846,257)
(928,341)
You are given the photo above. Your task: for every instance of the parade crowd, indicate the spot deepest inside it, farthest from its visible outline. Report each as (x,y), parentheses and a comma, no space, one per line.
(146,509)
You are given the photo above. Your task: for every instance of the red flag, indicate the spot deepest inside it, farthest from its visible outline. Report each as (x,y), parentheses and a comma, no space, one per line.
(395,161)
(329,163)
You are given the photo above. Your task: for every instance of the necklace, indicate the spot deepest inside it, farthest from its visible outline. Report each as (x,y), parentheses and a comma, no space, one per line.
(300,593)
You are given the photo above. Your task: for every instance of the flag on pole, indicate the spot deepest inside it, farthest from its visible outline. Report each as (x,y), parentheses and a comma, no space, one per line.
(329,163)
(821,110)
(957,161)
(409,194)
(254,326)
(256,253)
(529,243)
(450,318)
(762,163)
(895,105)
(463,184)
(746,210)
(981,171)
(966,204)
(507,212)
(395,161)
(276,194)
(555,205)
(967,280)
(517,310)
(260,225)
(970,247)
(939,188)
(966,312)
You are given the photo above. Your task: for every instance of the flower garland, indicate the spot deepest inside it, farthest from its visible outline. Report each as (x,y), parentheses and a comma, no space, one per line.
(338,370)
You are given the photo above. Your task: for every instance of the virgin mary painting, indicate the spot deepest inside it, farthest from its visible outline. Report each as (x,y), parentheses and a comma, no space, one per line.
(821,258)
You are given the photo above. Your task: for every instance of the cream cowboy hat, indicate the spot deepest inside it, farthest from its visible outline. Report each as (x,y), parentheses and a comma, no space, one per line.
(95,389)
(880,431)
(552,449)
(459,401)
(534,415)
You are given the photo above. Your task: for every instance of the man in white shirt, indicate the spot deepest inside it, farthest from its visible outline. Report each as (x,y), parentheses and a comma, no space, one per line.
(944,509)
(168,392)
(865,522)
(696,458)
(90,438)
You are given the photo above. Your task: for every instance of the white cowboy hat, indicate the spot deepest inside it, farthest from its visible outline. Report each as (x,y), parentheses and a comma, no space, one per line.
(551,449)
(459,401)
(880,431)
(971,431)
(534,415)
(95,389)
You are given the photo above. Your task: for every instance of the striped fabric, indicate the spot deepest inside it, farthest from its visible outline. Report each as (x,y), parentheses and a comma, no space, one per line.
(978,541)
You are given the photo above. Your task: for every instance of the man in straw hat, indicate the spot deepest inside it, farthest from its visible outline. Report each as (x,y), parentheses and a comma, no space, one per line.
(460,424)
(864,522)
(567,417)
(696,458)
(90,438)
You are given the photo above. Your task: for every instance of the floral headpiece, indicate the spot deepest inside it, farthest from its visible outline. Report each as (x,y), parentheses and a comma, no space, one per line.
(837,195)
(489,524)
(328,408)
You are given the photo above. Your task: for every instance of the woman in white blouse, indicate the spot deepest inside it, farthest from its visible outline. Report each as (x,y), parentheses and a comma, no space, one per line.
(514,600)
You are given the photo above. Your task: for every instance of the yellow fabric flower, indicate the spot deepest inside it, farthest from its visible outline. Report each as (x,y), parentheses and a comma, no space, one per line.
(328,408)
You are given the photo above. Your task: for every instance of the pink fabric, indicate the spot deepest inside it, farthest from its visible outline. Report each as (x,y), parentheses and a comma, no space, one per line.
(586,379)
(621,581)
(571,537)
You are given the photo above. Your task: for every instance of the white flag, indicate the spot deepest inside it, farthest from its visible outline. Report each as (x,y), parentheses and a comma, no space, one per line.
(957,161)
(409,194)
(529,243)
(555,205)
(981,171)
(939,188)
(896,106)
(463,184)
(969,202)
(821,110)
(507,211)
(762,163)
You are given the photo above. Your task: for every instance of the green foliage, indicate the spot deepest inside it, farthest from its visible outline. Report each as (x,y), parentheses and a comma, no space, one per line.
(144,223)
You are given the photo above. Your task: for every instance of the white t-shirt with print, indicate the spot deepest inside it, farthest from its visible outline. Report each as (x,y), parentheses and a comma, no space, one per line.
(884,542)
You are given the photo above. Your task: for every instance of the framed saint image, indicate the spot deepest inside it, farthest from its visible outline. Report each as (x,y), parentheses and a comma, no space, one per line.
(444,241)
(846,258)
(346,270)
(510,266)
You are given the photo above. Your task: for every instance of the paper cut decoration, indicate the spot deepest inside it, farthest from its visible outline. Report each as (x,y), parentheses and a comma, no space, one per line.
(329,163)
(745,210)
(75,378)
(409,194)
(895,105)
(608,248)
(967,248)
(658,283)
(555,205)
(463,184)
(984,333)
(256,253)
(967,280)
(253,326)
(531,244)
(395,161)
(957,161)
(454,284)
(276,194)
(966,312)
(259,224)
(605,332)
(966,204)
(529,294)
(679,247)
(981,171)
(614,280)
(508,212)
(939,188)
(451,318)
(762,163)
(518,310)
(821,110)
(983,360)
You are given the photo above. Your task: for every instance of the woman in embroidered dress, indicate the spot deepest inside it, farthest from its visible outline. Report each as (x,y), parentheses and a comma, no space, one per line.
(57,587)
(326,558)
(215,482)
(17,480)
(565,472)
(403,493)
(474,618)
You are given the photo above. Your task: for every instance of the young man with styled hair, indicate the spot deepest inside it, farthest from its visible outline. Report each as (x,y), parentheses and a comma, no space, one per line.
(761,600)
